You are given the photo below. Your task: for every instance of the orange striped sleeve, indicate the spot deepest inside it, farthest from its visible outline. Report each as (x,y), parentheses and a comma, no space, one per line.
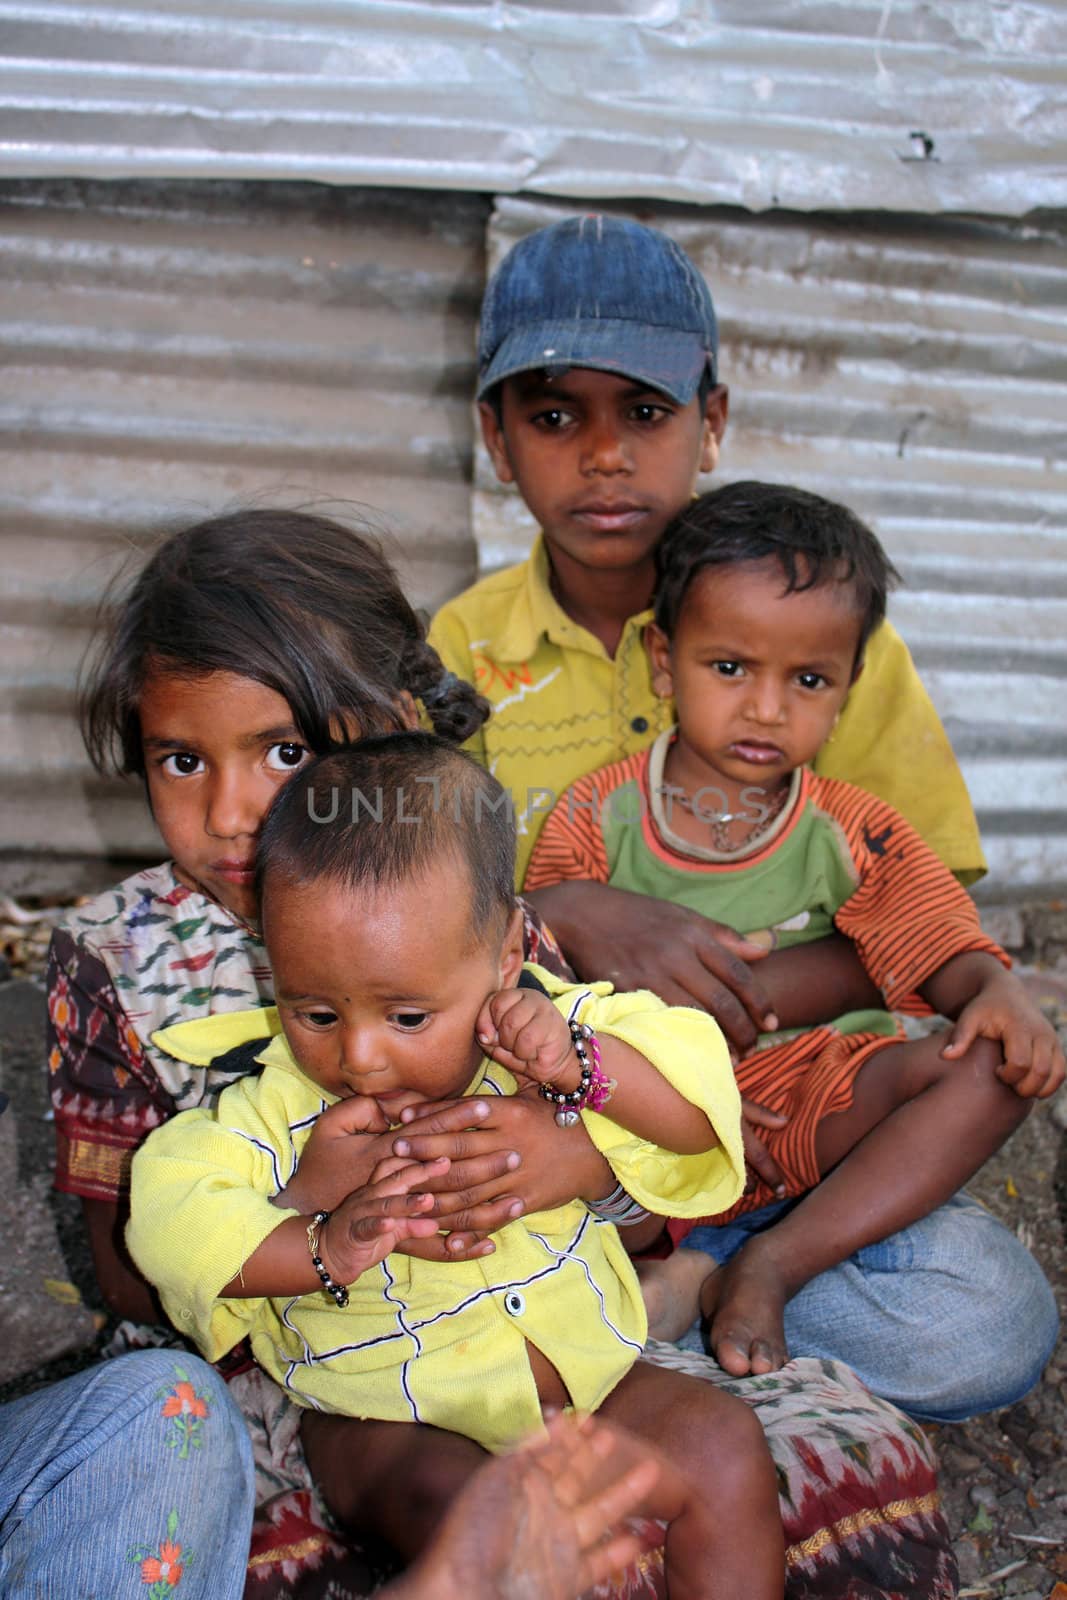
(909,915)
(571,844)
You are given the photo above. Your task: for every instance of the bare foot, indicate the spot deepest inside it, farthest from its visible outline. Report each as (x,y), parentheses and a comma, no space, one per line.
(743,1306)
(671,1291)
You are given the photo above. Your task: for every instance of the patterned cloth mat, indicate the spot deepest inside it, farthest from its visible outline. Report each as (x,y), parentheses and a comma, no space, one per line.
(857,1481)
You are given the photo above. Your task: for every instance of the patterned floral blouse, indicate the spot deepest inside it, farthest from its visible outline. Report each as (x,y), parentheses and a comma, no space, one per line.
(144,955)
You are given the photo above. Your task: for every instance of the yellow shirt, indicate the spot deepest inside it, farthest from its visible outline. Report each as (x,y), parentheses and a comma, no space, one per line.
(563,707)
(422,1341)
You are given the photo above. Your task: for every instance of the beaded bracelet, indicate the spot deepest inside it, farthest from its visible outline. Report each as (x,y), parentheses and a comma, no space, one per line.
(338,1290)
(594,1089)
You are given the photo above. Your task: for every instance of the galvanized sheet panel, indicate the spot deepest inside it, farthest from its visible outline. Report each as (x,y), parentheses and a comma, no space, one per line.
(172,350)
(915,369)
(910,105)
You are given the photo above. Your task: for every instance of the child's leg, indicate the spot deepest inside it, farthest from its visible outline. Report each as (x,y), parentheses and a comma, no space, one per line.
(917,1129)
(394,1479)
(717,1487)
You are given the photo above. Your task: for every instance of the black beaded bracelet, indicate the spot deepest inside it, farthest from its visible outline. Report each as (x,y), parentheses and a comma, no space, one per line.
(568,1104)
(338,1290)
(594,1089)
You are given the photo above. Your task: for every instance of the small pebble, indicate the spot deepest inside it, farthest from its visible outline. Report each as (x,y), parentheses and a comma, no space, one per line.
(983,1494)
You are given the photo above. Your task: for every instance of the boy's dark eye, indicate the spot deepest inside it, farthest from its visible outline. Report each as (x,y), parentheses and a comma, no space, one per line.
(810,680)
(409,1019)
(727,669)
(647,412)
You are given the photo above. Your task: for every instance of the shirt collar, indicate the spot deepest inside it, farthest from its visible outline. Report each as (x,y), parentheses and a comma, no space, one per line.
(536,614)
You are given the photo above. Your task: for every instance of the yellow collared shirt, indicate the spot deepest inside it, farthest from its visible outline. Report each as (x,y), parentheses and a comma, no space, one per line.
(437,1342)
(562,707)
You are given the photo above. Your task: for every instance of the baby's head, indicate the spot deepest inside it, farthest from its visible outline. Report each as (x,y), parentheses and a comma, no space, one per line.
(766,597)
(598,351)
(247,643)
(386,878)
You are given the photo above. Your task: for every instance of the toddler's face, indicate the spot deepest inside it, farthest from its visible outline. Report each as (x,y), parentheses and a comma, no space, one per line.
(379,988)
(758,677)
(217,749)
(603,462)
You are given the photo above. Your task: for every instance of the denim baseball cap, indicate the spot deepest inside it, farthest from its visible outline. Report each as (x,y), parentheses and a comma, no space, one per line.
(602,292)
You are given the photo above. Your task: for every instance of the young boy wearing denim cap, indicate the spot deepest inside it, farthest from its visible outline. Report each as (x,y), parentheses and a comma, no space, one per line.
(599,398)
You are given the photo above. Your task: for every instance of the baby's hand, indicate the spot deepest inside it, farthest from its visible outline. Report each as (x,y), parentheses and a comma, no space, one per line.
(524,1032)
(338,1156)
(1034,1064)
(370,1224)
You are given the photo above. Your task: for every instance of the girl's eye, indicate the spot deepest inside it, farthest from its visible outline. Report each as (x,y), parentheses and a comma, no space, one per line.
(728,669)
(286,757)
(319,1019)
(183,764)
(409,1020)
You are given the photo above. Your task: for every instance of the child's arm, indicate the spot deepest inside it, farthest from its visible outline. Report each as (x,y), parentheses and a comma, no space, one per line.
(201,1211)
(918,935)
(524,1032)
(364,1229)
(987,1002)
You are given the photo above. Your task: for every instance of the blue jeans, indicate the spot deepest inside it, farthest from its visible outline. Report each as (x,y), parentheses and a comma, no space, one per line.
(117,1477)
(948,1318)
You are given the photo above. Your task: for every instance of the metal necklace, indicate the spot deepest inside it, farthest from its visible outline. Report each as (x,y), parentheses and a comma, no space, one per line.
(718,821)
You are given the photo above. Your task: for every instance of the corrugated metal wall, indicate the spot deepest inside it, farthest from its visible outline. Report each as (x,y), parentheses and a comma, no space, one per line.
(914,368)
(910,105)
(170,350)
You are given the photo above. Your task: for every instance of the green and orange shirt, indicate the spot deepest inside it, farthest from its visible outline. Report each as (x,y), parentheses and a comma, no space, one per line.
(835,858)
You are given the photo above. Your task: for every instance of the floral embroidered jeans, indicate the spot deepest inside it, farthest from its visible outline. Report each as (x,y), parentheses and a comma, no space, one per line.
(131,1481)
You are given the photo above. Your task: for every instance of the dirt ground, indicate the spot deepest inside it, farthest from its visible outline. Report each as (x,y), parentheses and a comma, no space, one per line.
(1003,1477)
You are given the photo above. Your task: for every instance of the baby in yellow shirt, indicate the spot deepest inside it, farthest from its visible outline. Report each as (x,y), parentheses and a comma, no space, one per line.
(386,876)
